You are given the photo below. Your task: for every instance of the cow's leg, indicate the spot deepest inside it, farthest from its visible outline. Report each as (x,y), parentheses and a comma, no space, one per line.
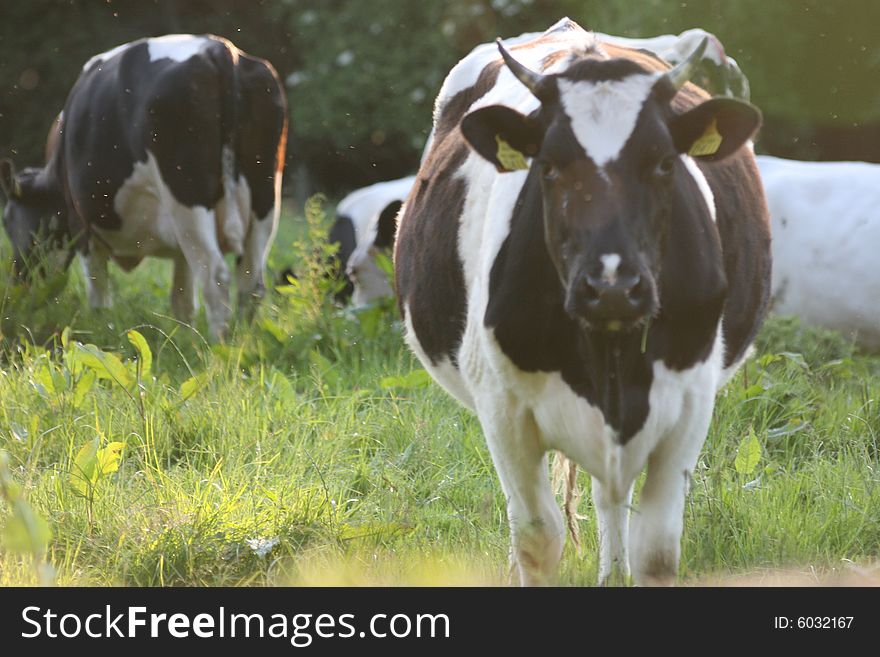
(197,238)
(184,293)
(252,263)
(612,518)
(94,266)
(536,526)
(658,520)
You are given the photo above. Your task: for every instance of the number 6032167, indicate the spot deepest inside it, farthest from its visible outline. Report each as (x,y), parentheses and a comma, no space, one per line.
(813,622)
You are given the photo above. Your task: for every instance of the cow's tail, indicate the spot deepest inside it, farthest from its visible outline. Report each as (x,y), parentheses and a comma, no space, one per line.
(564,478)
(234,221)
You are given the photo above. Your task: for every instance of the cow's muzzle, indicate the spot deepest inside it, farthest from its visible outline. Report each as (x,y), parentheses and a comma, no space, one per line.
(621,303)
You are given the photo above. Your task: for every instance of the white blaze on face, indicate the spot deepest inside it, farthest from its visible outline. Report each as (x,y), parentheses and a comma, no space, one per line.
(178,47)
(702,183)
(604,114)
(610,263)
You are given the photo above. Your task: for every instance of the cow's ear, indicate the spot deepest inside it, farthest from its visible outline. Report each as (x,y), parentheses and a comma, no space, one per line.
(8,182)
(387,225)
(502,136)
(715,129)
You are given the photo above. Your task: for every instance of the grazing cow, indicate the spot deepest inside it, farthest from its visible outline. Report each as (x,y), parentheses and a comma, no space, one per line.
(826,227)
(170,146)
(365,225)
(584,260)
(358,212)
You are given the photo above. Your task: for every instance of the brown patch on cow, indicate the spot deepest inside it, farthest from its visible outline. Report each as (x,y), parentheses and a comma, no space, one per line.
(454,109)
(127,263)
(659,569)
(428,271)
(429,274)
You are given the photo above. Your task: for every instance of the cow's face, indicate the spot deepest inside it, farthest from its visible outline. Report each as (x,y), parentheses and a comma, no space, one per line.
(33,217)
(607,153)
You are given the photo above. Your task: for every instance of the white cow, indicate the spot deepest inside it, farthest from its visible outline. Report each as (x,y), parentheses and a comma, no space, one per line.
(826,232)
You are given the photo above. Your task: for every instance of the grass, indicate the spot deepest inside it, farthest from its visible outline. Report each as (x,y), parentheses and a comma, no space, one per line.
(300,453)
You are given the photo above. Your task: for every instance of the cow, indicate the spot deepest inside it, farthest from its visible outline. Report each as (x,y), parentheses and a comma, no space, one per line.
(358,213)
(366,220)
(170,146)
(584,260)
(825,219)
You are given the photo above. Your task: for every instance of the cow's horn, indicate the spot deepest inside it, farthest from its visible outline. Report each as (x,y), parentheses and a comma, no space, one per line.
(529,78)
(685,69)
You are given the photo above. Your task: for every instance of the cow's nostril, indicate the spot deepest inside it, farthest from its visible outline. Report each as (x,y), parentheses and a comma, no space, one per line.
(637,289)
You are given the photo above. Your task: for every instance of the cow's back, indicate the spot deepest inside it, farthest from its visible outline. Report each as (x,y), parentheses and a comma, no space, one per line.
(133,103)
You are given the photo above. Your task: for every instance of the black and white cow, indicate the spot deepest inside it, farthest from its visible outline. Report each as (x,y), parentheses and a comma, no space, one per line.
(366,221)
(584,260)
(172,147)
(366,217)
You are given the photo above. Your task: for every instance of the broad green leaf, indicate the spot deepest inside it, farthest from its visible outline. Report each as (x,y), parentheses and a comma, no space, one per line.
(108,459)
(44,378)
(104,364)
(415,379)
(754,390)
(748,454)
(82,473)
(192,385)
(145,356)
(65,337)
(82,387)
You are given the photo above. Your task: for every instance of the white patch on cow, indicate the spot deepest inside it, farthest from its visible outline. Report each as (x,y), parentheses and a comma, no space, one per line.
(105,56)
(251,266)
(364,207)
(184,292)
(529,48)
(147,225)
(702,183)
(680,407)
(603,115)
(369,281)
(610,263)
(444,372)
(685,400)
(236,203)
(94,266)
(177,47)
(612,518)
(154,223)
(825,219)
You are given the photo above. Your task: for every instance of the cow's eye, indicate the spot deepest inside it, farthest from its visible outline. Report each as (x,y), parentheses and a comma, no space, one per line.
(549,172)
(665,167)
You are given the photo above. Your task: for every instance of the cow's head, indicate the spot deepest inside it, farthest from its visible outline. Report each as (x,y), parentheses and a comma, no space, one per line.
(355,264)
(33,216)
(607,150)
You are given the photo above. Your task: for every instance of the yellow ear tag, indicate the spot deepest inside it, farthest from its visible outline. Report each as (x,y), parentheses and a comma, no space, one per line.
(16,188)
(709,143)
(508,157)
